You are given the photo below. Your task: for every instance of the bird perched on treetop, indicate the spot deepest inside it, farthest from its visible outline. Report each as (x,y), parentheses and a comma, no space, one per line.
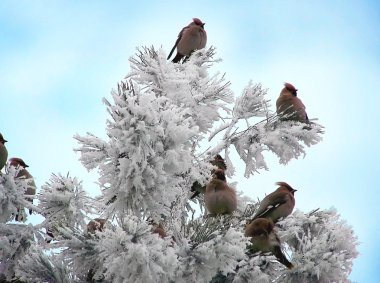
(278,204)
(24,174)
(191,37)
(265,239)
(197,188)
(3,152)
(289,106)
(219,197)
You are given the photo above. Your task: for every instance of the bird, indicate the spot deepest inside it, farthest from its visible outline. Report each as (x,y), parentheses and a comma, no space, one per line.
(219,162)
(219,197)
(159,229)
(49,233)
(264,239)
(277,204)
(22,173)
(191,37)
(197,188)
(289,106)
(97,224)
(3,152)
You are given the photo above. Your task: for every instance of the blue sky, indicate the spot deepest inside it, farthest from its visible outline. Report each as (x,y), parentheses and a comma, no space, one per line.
(59,58)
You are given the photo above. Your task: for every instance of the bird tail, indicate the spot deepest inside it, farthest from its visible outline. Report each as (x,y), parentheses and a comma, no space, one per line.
(177,58)
(281,257)
(171,52)
(197,188)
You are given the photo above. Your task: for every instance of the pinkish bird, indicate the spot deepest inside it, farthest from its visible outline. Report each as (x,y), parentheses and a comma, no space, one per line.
(219,197)
(264,239)
(197,188)
(278,204)
(289,106)
(192,37)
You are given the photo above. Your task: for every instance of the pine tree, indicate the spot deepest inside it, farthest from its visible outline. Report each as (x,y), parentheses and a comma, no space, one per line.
(167,122)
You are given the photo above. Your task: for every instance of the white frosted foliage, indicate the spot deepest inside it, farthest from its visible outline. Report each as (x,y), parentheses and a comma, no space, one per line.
(133,253)
(323,246)
(166,124)
(64,203)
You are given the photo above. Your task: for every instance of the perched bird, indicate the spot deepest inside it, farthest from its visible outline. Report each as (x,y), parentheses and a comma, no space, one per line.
(278,204)
(190,38)
(97,224)
(197,188)
(265,239)
(219,162)
(159,229)
(3,152)
(219,197)
(289,106)
(22,173)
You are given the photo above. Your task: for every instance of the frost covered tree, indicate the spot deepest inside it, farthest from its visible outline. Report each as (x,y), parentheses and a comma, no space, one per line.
(167,122)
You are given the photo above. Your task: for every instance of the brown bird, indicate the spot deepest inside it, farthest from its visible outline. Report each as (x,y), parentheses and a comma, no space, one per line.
(219,197)
(97,224)
(278,204)
(24,174)
(3,152)
(190,38)
(159,229)
(289,106)
(265,239)
(197,188)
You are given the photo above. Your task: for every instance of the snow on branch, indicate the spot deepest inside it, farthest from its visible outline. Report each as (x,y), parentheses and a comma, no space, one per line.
(133,253)
(251,103)
(64,202)
(220,253)
(323,246)
(15,240)
(37,266)
(11,196)
(159,115)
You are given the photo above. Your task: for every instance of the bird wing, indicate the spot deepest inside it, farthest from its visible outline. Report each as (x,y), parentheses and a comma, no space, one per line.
(273,202)
(176,43)
(197,188)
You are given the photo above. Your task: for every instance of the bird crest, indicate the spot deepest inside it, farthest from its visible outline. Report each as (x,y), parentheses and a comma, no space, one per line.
(291,88)
(2,140)
(286,185)
(18,161)
(198,22)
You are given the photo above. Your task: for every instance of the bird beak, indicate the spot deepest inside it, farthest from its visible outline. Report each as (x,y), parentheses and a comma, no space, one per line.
(4,141)
(26,165)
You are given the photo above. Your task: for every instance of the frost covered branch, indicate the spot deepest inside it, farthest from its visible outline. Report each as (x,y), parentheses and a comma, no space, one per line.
(150,163)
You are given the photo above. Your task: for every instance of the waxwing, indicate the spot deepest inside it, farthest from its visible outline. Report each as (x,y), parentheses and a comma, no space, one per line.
(219,197)
(278,204)
(264,239)
(289,106)
(191,37)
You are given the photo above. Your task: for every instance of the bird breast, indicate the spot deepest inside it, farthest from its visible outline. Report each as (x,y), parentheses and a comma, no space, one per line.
(219,198)
(3,155)
(193,38)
